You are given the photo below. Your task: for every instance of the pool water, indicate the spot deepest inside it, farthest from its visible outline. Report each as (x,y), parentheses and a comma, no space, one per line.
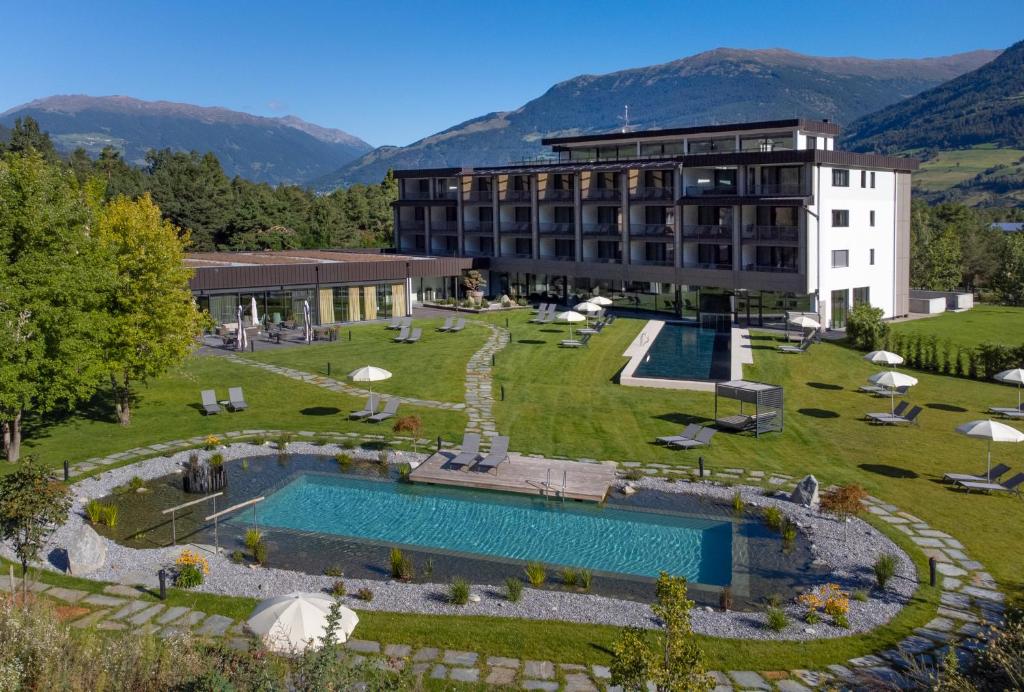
(602,539)
(687,352)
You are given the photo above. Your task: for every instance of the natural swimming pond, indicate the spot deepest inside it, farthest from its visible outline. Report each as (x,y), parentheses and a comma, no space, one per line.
(687,352)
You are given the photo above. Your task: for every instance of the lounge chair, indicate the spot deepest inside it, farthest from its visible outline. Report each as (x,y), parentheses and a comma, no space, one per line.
(210,405)
(1008,411)
(403,333)
(575,343)
(447,324)
(497,455)
(236,399)
(596,329)
(390,409)
(459,325)
(742,422)
(542,307)
(802,348)
(1011,486)
(997,471)
(470,452)
(701,439)
(372,402)
(898,411)
(911,417)
(544,317)
(395,323)
(688,433)
(414,336)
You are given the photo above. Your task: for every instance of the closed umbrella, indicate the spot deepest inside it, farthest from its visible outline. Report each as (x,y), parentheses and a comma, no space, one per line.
(884,358)
(570,316)
(293,622)
(993,432)
(369,374)
(241,341)
(306,319)
(254,313)
(891,379)
(1015,376)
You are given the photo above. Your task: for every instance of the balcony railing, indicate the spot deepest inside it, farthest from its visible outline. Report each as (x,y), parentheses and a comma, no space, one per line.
(559,258)
(782,190)
(709,265)
(602,229)
(444,226)
(557,228)
(667,262)
(516,196)
(479,196)
(556,195)
(652,230)
(478,226)
(478,253)
(774,268)
(653,194)
(415,195)
(518,255)
(708,232)
(444,251)
(709,190)
(788,234)
(447,194)
(603,260)
(515,227)
(411,225)
(602,194)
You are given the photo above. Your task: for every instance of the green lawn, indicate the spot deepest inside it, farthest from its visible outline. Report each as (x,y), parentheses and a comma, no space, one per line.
(434,368)
(994,323)
(951,167)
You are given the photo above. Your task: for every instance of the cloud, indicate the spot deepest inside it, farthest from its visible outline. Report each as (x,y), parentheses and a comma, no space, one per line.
(277,106)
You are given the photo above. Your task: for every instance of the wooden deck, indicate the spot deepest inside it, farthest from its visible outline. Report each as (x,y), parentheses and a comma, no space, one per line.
(522,474)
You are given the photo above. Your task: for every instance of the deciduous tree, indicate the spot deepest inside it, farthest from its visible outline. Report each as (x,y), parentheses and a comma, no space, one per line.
(32,506)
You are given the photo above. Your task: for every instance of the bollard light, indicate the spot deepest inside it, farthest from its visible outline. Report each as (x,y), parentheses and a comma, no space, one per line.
(932,569)
(328,368)
(439,443)
(67,471)
(700,462)
(162,575)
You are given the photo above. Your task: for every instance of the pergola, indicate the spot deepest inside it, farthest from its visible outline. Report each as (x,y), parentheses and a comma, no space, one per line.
(766,399)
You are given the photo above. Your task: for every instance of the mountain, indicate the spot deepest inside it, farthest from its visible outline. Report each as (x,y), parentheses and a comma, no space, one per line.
(719,86)
(273,150)
(984,106)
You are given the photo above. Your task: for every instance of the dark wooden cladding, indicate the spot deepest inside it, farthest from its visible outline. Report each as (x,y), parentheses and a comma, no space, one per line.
(430,172)
(265,276)
(819,126)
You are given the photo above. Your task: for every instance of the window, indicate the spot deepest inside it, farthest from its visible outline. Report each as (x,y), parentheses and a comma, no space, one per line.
(840,218)
(812,142)
(840,258)
(872,180)
(863,178)
(871,257)
(862,296)
(840,177)
(871,217)
(524,247)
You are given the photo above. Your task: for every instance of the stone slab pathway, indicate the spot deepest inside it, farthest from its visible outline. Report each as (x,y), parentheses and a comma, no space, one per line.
(480,384)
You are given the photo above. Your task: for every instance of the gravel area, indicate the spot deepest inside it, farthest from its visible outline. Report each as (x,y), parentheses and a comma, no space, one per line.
(849,559)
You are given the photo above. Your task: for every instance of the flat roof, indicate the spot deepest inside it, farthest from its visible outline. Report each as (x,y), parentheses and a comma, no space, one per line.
(258,258)
(819,126)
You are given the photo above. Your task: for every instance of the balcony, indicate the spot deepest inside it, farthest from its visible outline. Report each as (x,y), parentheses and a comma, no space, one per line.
(666,262)
(517,255)
(775,234)
(419,225)
(775,269)
(709,265)
(444,227)
(415,195)
(558,258)
(708,232)
(653,194)
(602,194)
(445,252)
(478,253)
(557,229)
(781,190)
(478,227)
(479,197)
(556,196)
(613,229)
(709,190)
(603,260)
(520,227)
(447,195)
(516,196)
(652,230)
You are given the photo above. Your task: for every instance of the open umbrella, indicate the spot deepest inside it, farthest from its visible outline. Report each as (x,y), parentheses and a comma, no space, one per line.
(587,308)
(805,322)
(600,300)
(369,374)
(306,318)
(293,622)
(892,379)
(253,312)
(570,316)
(240,342)
(993,432)
(1015,376)
(884,358)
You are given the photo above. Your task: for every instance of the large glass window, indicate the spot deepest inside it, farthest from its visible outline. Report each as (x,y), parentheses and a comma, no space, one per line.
(840,177)
(840,218)
(767,142)
(224,308)
(862,296)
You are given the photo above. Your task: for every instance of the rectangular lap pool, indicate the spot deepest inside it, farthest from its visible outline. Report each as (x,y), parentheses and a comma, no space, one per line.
(687,352)
(601,539)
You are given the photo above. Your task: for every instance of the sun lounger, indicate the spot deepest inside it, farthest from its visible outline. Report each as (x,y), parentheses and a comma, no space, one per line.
(701,439)
(414,336)
(997,471)
(542,307)
(1011,486)
(1008,411)
(742,422)
(236,399)
(596,329)
(870,389)
(447,324)
(575,343)
(395,323)
(497,456)
(390,409)
(470,452)
(210,405)
(459,325)
(688,433)
(802,348)
(898,411)
(372,402)
(911,417)
(403,333)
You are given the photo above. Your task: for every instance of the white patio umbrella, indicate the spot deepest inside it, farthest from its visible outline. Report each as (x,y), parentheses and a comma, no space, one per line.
(1015,376)
(369,374)
(293,622)
(308,326)
(884,358)
(993,432)
(587,308)
(805,322)
(600,300)
(892,379)
(241,340)
(253,312)
(570,316)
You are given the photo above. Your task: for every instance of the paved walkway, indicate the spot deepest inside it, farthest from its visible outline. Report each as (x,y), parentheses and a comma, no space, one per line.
(479,383)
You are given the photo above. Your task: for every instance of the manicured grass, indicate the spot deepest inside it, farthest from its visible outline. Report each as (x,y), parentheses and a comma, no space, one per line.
(998,324)
(433,368)
(168,410)
(949,168)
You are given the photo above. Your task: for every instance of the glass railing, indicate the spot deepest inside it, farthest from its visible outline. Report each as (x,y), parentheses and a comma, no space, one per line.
(651,230)
(444,226)
(789,234)
(479,196)
(516,196)
(515,227)
(602,229)
(709,190)
(708,265)
(708,232)
(774,268)
(653,194)
(556,195)
(478,226)
(782,189)
(557,228)
(602,194)
(415,195)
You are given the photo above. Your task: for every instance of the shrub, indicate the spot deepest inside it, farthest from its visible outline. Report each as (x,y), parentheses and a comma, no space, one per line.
(321,440)
(859,596)
(458,591)
(216,459)
(568,576)
(885,568)
(411,426)
(773,517)
(401,565)
(334,571)
(404,472)
(777,619)
(338,588)
(136,484)
(211,442)
(844,502)
(364,594)
(349,443)
(188,577)
(865,328)
(428,569)
(259,552)
(536,574)
(110,513)
(283,440)
(383,459)
(237,557)
(513,589)
(94,511)
(725,598)
(788,531)
(344,461)
(259,440)
(773,600)
(633,474)
(841,620)
(737,503)
(829,598)
(583,578)
(811,617)
(245,464)
(252,537)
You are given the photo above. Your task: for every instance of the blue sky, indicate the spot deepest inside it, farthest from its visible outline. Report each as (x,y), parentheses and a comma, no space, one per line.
(392,72)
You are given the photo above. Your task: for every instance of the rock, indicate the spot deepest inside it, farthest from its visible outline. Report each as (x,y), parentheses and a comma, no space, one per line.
(808,630)
(806,492)
(628,490)
(87,552)
(473,598)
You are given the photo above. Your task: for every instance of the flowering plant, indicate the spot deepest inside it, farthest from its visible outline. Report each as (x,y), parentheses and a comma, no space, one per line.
(829,598)
(211,441)
(189,558)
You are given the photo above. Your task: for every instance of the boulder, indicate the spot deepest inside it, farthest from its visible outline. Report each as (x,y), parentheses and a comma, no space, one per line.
(86,551)
(806,492)
(628,490)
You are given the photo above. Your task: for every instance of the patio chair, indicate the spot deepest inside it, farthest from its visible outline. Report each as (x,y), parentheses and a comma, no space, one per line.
(898,411)
(886,392)
(497,455)
(390,409)
(210,405)
(469,453)
(459,325)
(447,326)
(701,439)
(596,329)
(395,323)
(911,417)
(1011,486)
(403,333)
(997,471)
(575,343)
(1008,411)
(369,408)
(688,433)
(742,422)
(542,307)
(802,348)
(415,336)
(236,399)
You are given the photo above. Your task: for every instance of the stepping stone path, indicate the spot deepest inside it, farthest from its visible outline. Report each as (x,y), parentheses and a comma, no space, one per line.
(480,386)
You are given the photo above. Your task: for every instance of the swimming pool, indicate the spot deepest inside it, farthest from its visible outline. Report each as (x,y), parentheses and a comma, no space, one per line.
(687,352)
(602,539)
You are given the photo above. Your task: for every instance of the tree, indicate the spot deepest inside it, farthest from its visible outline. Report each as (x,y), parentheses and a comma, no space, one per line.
(680,667)
(53,278)
(1009,280)
(193,193)
(32,505)
(26,137)
(844,502)
(412,426)
(943,261)
(865,327)
(153,319)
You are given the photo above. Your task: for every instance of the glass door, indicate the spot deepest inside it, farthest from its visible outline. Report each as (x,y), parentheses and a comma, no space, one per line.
(840,304)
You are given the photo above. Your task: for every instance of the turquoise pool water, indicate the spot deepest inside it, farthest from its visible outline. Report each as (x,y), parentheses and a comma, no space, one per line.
(505,526)
(687,352)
